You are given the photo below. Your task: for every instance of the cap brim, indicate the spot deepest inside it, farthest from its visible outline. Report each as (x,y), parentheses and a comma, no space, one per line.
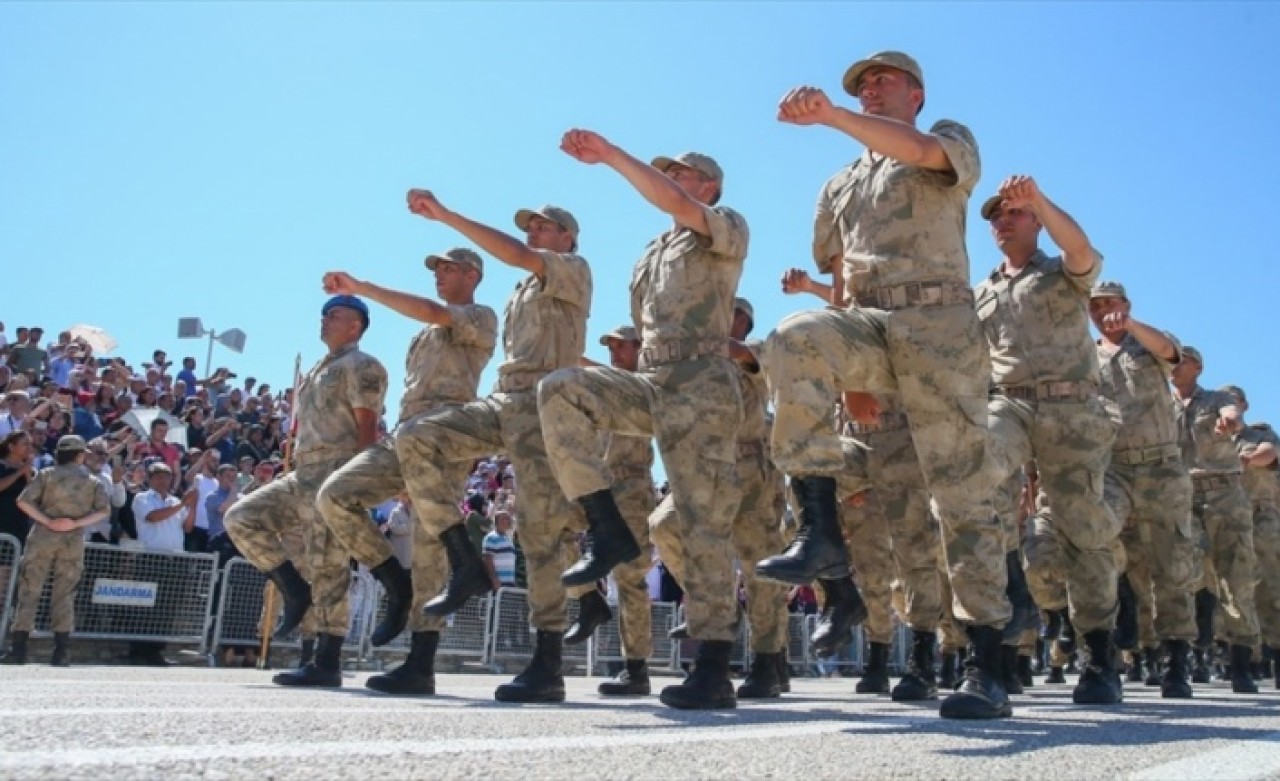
(989,206)
(663,163)
(1107,294)
(855,72)
(432,260)
(524,215)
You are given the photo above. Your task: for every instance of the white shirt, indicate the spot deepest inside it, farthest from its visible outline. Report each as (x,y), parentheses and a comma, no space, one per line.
(163,535)
(117,493)
(9,424)
(204,486)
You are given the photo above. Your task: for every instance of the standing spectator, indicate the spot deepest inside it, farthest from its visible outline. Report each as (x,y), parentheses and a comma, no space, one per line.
(85,421)
(202,477)
(146,398)
(61,364)
(251,446)
(223,438)
(399,530)
(188,376)
(216,504)
(499,551)
(41,453)
(17,468)
(477,522)
(158,446)
(163,521)
(29,356)
(111,476)
(196,434)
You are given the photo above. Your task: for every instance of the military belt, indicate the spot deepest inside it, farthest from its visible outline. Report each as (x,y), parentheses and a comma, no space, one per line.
(885,421)
(516,382)
(320,454)
(915,294)
(1156,454)
(668,351)
(1064,390)
(1206,483)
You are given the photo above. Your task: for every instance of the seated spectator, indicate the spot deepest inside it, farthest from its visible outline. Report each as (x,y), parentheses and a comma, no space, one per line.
(272,437)
(123,405)
(146,398)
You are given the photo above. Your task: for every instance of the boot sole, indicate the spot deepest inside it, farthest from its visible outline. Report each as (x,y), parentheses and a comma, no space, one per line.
(307,684)
(973,709)
(526,698)
(635,693)
(393,688)
(725,703)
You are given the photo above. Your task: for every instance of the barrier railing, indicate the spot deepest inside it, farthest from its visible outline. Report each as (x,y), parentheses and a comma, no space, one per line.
(466,632)
(512,637)
(740,656)
(10,553)
(608,640)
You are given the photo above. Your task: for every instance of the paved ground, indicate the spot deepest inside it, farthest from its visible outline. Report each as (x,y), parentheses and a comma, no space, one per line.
(125,723)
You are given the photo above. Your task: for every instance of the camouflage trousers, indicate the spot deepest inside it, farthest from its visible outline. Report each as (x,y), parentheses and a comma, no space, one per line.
(1071,444)
(757,534)
(1225,519)
(936,359)
(1161,545)
(899,506)
(436,451)
(61,553)
(257,521)
(693,410)
(345,500)
(294,542)
(951,634)
(634,494)
(1043,562)
(870,549)
(1266,545)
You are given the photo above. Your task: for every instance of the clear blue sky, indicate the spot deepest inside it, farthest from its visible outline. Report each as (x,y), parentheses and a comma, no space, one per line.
(169,160)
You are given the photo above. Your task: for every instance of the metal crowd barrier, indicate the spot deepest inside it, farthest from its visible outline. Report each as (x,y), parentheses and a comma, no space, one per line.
(239,615)
(854,655)
(129,594)
(10,553)
(466,632)
(608,641)
(512,637)
(740,656)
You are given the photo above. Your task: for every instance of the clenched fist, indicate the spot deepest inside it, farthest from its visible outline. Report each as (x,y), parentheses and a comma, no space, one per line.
(806,106)
(586,146)
(424,204)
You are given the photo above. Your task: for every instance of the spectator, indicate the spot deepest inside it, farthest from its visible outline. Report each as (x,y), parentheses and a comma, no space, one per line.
(61,365)
(29,356)
(17,404)
(85,420)
(216,504)
(146,398)
(97,460)
(58,425)
(399,530)
(41,452)
(188,376)
(196,434)
(248,473)
(263,473)
(202,476)
(158,446)
(477,521)
(272,437)
(499,552)
(17,467)
(225,431)
(162,521)
(251,446)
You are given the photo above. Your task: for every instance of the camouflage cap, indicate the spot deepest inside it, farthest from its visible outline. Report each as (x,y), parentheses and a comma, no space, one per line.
(889,59)
(703,164)
(1193,354)
(1107,289)
(625,333)
(1235,390)
(989,207)
(559,216)
(460,255)
(745,306)
(71,444)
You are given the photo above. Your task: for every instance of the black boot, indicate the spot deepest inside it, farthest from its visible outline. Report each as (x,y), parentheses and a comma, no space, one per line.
(1173,682)
(1152,658)
(1135,673)
(784,672)
(1019,594)
(1024,672)
(542,680)
(1224,661)
(1038,661)
(708,686)
(611,541)
(295,592)
(875,673)
(593,612)
(1126,631)
(818,549)
(842,610)
(947,678)
(762,679)
(417,674)
(1099,683)
(325,671)
(1055,676)
(919,682)
(1206,603)
(1067,636)
(467,574)
(1241,678)
(398,585)
(1009,669)
(633,681)
(17,653)
(61,657)
(981,695)
(1200,672)
(307,652)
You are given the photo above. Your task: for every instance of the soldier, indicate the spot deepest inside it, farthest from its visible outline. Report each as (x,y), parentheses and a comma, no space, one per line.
(686,394)
(630,459)
(1209,423)
(1147,486)
(61,501)
(336,417)
(442,369)
(544,329)
(893,222)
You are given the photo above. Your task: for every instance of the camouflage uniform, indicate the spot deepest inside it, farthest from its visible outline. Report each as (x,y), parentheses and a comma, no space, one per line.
(544,329)
(442,369)
(1149,491)
(899,232)
(342,382)
(757,526)
(1264,491)
(870,549)
(1044,406)
(1222,510)
(686,395)
(66,491)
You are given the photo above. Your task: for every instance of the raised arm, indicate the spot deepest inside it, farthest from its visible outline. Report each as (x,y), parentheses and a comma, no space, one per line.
(502,246)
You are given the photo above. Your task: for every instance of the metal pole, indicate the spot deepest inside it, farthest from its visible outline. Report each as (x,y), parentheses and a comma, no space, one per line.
(208,358)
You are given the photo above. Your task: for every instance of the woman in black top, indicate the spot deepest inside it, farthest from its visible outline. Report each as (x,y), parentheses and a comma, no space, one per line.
(15,471)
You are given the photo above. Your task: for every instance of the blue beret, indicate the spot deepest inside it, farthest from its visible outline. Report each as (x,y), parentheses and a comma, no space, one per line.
(350,302)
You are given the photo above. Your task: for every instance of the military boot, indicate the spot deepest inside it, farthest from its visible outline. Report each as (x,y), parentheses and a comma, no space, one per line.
(1024,672)
(1009,669)
(708,686)
(1151,656)
(593,612)
(981,694)
(1173,682)
(1099,682)
(818,548)
(417,674)
(919,681)
(308,651)
(61,656)
(1055,676)
(1126,631)
(784,673)
(1206,603)
(325,671)
(875,673)
(762,679)
(947,677)
(542,680)
(1200,671)
(611,542)
(468,576)
(398,585)
(1241,678)
(295,592)
(842,610)
(633,681)
(17,653)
